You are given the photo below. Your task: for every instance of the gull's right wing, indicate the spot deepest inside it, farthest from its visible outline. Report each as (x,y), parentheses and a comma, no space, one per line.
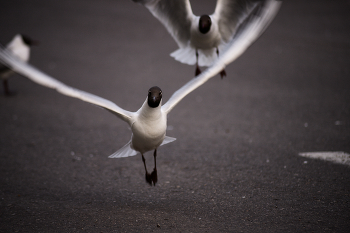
(243,38)
(43,79)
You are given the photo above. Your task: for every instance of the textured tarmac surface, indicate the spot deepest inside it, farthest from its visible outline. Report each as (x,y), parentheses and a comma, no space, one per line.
(235,164)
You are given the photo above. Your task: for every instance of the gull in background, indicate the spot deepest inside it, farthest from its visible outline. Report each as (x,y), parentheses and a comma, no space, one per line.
(149,123)
(202,38)
(19,46)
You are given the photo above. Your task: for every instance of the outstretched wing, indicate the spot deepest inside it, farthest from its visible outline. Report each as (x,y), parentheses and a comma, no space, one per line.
(233,15)
(175,15)
(43,79)
(244,37)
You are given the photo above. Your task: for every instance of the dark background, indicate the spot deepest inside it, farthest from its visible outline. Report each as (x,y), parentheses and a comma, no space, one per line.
(234,166)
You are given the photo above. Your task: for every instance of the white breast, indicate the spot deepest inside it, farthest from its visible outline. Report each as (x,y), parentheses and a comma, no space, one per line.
(148,129)
(211,39)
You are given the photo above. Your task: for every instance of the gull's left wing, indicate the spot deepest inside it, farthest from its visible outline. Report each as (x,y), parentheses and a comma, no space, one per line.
(43,79)
(245,35)
(231,14)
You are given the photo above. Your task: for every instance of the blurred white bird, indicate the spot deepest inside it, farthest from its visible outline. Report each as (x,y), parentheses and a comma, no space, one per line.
(149,123)
(201,39)
(19,46)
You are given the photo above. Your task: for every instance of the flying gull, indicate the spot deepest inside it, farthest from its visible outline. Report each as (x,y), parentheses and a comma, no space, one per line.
(202,39)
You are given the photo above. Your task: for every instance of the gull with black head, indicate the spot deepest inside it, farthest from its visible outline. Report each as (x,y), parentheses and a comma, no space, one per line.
(202,38)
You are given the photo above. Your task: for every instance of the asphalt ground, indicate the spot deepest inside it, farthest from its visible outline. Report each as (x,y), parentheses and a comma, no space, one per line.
(234,166)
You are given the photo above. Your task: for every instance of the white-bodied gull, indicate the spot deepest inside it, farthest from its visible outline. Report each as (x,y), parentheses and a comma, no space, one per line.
(19,46)
(202,38)
(148,124)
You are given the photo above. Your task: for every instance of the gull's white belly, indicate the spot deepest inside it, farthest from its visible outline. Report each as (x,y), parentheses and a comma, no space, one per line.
(148,136)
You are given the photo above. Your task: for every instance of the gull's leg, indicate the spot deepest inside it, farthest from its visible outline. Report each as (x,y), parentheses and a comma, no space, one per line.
(148,176)
(223,72)
(198,71)
(154,173)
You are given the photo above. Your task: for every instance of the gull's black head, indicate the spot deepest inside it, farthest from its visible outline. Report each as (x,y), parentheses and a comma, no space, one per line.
(29,41)
(154,97)
(204,24)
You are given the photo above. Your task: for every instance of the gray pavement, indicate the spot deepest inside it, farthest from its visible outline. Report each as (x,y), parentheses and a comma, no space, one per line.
(235,164)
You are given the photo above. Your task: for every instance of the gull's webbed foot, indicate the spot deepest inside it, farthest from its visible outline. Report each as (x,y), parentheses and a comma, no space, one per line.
(223,74)
(149,178)
(198,71)
(154,176)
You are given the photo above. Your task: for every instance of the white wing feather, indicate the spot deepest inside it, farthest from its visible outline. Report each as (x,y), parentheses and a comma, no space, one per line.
(43,79)
(230,14)
(175,15)
(243,38)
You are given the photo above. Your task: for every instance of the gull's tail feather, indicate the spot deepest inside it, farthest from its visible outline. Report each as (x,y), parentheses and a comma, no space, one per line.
(125,151)
(186,55)
(206,57)
(167,140)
